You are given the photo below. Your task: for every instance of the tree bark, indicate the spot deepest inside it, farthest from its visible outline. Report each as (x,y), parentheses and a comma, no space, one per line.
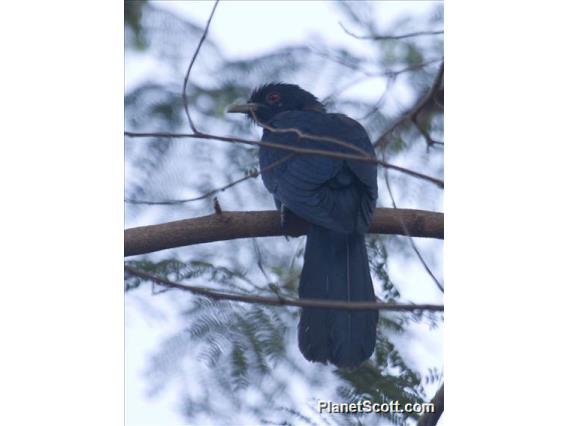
(431,419)
(232,225)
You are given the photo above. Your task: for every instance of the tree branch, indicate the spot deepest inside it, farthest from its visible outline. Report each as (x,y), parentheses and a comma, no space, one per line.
(186,78)
(390,37)
(281,300)
(431,419)
(429,141)
(234,225)
(297,150)
(424,264)
(413,113)
(253,174)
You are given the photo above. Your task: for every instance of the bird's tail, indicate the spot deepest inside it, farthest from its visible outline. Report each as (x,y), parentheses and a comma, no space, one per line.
(336,267)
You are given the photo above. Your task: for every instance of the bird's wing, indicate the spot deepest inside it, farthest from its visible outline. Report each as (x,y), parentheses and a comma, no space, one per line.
(355,134)
(332,192)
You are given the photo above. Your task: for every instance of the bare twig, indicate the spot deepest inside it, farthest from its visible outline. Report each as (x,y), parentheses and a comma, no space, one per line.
(303,135)
(418,254)
(297,150)
(186,78)
(391,75)
(189,200)
(208,194)
(281,300)
(390,37)
(429,141)
(234,225)
(409,68)
(415,110)
(371,74)
(375,108)
(346,64)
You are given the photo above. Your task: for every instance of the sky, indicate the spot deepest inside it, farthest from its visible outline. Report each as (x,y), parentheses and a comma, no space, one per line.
(246,28)
(243,29)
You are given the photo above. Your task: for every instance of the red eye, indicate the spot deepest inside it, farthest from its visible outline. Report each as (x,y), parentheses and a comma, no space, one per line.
(272,98)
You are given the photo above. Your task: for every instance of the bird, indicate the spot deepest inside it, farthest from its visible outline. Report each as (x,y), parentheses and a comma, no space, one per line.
(336,197)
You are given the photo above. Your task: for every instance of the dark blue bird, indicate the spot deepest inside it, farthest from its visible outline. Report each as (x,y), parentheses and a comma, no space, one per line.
(337,197)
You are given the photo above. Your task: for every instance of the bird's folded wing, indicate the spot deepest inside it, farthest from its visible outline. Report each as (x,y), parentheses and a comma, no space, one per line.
(322,190)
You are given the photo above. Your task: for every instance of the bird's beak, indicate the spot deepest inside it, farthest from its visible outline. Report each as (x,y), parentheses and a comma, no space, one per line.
(243,108)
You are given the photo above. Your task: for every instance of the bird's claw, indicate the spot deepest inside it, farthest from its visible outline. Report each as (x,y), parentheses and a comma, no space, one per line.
(291,224)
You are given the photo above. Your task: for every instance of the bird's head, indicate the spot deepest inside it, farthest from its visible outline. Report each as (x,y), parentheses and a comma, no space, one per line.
(271,99)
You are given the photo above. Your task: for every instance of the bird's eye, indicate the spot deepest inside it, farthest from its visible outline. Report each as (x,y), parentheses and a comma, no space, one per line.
(272,98)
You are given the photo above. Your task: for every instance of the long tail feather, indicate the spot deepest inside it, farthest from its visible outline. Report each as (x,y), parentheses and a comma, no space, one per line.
(336,267)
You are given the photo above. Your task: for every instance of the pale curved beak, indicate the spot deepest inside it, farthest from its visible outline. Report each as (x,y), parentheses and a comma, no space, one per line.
(243,108)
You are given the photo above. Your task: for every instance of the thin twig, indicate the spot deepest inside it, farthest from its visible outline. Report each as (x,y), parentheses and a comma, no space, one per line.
(429,141)
(390,82)
(281,300)
(342,62)
(391,76)
(189,200)
(371,74)
(303,135)
(297,150)
(375,108)
(186,78)
(213,191)
(412,67)
(390,37)
(418,254)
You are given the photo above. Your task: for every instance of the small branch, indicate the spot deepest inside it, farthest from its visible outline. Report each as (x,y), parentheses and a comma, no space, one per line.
(297,150)
(431,419)
(208,194)
(375,108)
(303,135)
(371,74)
(418,254)
(352,66)
(234,225)
(189,200)
(429,141)
(391,76)
(281,300)
(413,113)
(390,37)
(186,78)
(412,67)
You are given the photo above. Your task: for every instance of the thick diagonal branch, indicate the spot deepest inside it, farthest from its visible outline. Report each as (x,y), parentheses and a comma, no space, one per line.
(233,225)
(415,110)
(431,419)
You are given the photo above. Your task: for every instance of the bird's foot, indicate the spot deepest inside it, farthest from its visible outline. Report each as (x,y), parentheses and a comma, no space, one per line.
(292,225)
